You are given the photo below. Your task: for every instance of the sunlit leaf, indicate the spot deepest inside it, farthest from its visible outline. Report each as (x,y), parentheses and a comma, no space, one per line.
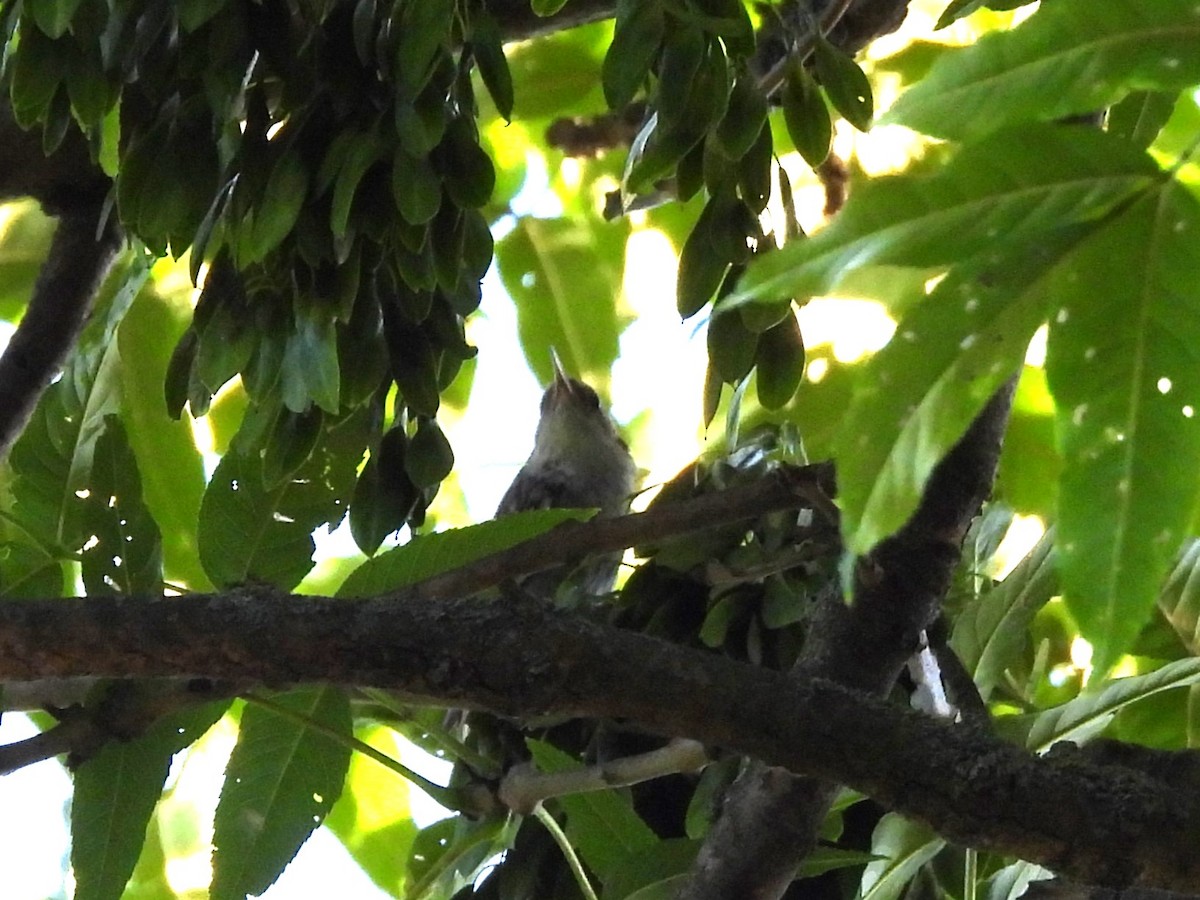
(431,554)
(1072,56)
(115,794)
(169,463)
(917,396)
(1123,362)
(1180,596)
(373,818)
(904,847)
(281,781)
(1090,713)
(1007,188)
(990,632)
(562,275)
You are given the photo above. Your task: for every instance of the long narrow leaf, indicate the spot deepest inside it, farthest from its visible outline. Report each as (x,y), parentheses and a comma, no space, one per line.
(1008,189)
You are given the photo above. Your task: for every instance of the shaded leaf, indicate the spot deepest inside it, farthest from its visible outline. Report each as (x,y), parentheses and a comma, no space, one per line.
(904,847)
(602,825)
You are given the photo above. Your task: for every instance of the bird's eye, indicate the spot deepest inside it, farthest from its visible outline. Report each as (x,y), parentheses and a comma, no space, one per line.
(590,397)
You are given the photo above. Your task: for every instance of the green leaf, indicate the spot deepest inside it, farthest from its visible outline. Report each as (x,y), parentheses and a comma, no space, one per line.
(241,537)
(806,116)
(493,66)
(450,852)
(194,13)
(28,570)
(845,84)
(655,873)
(779,362)
(172,472)
(561,274)
(384,495)
(1123,362)
(949,355)
(281,781)
(115,794)
(274,217)
(36,73)
(1085,716)
(427,555)
(957,10)
(123,554)
(636,39)
(547,7)
(1071,57)
(1180,597)
(429,458)
(291,442)
(465,167)
(416,187)
(24,248)
(424,30)
(53,457)
(311,373)
(560,71)
(731,345)
(989,634)
(249,533)
(744,119)
(602,825)
(1008,188)
(705,257)
(54,16)
(1141,116)
(363,151)
(904,847)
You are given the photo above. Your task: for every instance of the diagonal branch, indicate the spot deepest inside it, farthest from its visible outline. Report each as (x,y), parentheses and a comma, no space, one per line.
(770,820)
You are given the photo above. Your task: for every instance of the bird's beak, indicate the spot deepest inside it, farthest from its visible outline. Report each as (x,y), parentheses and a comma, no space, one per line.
(562,381)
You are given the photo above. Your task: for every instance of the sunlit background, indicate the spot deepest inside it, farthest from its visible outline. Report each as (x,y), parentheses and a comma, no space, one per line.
(656,394)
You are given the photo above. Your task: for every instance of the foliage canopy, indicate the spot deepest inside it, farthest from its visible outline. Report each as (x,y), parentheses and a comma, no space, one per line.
(338,177)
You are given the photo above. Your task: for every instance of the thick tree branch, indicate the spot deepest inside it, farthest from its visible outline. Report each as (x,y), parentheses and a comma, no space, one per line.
(80,256)
(1108,824)
(70,186)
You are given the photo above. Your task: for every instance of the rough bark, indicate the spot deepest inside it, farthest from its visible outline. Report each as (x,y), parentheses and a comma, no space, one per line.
(771,819)
(1108,824)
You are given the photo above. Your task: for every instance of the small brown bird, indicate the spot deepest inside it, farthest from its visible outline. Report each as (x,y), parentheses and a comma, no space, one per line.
(578,461)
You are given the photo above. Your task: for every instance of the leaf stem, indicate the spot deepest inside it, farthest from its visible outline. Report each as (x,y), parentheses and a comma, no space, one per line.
(560,838)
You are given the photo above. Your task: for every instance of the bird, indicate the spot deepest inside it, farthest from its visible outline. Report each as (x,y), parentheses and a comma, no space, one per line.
(578,461)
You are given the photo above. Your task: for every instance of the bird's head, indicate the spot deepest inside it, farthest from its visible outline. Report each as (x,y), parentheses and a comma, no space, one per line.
(573,421)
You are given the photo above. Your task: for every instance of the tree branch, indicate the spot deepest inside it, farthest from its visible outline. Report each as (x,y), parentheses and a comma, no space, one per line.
(770,820)
(788,487)
(1103,823)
